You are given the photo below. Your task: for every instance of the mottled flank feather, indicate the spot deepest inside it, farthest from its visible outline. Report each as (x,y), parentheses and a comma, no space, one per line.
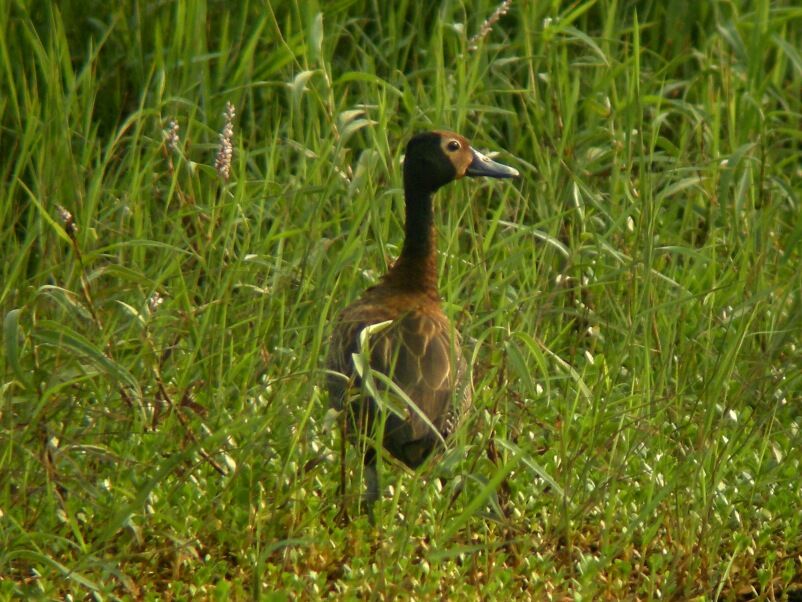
(420,352)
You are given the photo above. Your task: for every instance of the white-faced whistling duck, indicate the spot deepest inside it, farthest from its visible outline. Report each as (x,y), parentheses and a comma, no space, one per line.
(418,349)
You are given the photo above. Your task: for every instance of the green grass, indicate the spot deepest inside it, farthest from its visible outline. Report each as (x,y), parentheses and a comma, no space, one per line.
(631,307)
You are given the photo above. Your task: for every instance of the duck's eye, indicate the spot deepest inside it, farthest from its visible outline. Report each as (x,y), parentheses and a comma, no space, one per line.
(453,146)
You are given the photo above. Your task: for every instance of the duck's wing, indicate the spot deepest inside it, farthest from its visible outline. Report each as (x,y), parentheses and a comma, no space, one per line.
(344,343)
(419,352)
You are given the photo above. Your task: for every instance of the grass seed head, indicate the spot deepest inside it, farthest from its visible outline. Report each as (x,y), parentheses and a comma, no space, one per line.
(225,152)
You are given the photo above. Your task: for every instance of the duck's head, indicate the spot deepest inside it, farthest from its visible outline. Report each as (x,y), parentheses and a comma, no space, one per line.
(434,159)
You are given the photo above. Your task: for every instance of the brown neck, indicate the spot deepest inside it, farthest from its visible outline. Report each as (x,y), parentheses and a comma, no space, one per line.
(416,268)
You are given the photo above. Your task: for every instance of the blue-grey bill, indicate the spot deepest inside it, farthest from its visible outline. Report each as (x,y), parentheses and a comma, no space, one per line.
(485,166)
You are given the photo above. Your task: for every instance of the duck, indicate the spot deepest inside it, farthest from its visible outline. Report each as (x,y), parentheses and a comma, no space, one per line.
(409,338)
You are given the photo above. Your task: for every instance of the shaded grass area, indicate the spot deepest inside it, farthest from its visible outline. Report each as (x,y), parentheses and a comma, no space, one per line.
(631,308)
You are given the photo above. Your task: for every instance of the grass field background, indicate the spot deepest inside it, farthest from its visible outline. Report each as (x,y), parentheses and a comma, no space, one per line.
(630,308)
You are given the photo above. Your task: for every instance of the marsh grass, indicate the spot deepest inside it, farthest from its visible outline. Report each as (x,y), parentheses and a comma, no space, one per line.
(631,308)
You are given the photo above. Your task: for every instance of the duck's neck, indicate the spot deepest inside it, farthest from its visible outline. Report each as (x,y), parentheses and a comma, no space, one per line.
(416,268)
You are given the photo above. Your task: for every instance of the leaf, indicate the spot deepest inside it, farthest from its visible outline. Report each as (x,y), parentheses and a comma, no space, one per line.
(365,166)
(11,338)
(790,51)
(133,311)
(346,117)
(478,501)
(61,336)
(539,234)
(583,38)
(584,390)
(316,38)
(298,85)
(66,299)
(531,464)
(66,572)
(370,78)
(689,182)
(354,126)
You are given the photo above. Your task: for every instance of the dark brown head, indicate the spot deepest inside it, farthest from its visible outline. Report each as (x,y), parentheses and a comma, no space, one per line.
(434,159)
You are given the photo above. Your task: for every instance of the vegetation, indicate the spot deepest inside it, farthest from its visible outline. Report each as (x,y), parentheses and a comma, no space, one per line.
(631,307)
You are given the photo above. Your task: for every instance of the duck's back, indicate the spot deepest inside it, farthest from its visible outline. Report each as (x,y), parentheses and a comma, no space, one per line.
(419,351)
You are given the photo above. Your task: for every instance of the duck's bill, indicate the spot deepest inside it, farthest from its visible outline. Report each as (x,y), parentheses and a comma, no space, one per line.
(485,166)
